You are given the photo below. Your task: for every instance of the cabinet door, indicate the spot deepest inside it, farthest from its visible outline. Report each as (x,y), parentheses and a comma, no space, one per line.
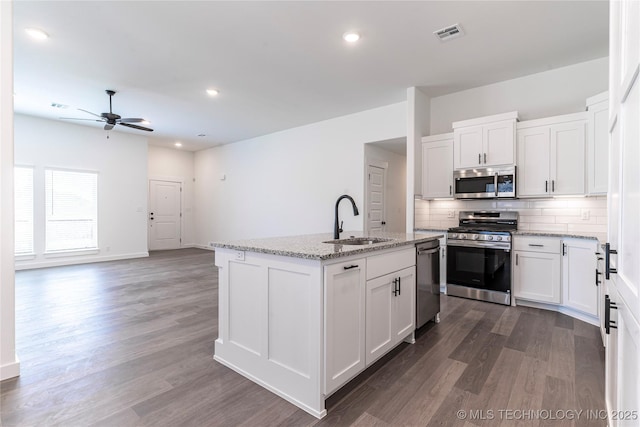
(536,276)
(467,147)
(404,304)
(579,266)
(437,169)
(344,322)
(379,315)
(534,151)
(597,148)
(568,158)
(499,144)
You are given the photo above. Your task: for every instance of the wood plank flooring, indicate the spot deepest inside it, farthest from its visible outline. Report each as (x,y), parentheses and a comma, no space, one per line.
(130,343)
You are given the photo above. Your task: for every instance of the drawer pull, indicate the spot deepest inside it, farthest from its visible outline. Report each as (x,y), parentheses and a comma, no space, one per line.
(349,267)
(535,245)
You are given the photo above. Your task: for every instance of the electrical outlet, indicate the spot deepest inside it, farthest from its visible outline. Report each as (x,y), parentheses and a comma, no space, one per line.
(586,214)
(239,255)
(451,214)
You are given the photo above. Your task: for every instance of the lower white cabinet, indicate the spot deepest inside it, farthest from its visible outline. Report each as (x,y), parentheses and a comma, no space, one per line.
(345,339)
(390,311)
(579,273)
(443,264)
(536,272)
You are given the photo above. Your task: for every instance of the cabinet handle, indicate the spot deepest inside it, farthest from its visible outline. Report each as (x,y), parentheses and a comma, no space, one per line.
(395,287)
(597,274)
(349,267)
(479,159)
(450,190)
(607,261)
(485,158)
(553,185)
(546,186)
(516,259)
(535,245)
(399,286)
(608,305)
(564,249)
(443,252)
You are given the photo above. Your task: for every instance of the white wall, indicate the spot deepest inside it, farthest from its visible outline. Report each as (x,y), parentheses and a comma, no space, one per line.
(9,364)
(121,163)
(287,182)
(396,186)
(176,165)
(558,91)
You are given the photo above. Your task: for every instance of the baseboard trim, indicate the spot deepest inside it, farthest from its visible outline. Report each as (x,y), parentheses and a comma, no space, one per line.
(77,260)
(10,370)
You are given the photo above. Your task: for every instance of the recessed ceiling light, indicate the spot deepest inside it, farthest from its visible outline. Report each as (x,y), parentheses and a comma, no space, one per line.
(37,33)
(351,36)
(212,92)
(178,144)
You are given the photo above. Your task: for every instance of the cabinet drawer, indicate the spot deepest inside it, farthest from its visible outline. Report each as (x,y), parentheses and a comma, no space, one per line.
(537,244)
(379,265)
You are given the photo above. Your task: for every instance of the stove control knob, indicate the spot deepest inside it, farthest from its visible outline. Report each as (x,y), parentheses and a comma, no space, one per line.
(476,237)
(499,238)
(462,236)
(453,235)
(490,237)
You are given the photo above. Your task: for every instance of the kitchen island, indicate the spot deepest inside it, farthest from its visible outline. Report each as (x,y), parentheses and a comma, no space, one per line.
(302,317)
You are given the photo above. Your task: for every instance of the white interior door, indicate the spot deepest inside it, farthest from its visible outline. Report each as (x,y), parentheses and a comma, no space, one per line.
(375,199)
(164,215)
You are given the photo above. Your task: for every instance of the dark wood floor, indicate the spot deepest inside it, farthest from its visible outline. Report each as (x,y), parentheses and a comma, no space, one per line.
(130,343)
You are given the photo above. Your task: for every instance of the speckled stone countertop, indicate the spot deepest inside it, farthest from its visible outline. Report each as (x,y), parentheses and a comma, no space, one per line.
(311,246)
(430,230)
(602,237)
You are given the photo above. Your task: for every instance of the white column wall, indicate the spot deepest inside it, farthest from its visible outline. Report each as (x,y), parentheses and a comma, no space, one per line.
(9,364)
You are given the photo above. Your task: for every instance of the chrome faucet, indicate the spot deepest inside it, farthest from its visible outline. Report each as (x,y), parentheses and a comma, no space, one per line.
(337,228)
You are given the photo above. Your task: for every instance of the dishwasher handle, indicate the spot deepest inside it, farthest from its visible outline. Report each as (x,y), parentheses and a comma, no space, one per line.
(428,251)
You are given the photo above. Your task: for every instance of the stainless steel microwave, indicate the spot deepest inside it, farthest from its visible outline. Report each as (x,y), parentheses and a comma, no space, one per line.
(485,183)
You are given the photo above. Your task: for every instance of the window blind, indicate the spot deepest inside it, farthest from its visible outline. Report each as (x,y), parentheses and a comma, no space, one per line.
(71,210)
(23,205)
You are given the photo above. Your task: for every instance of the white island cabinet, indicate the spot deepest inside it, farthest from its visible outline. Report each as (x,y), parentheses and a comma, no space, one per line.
(294,316)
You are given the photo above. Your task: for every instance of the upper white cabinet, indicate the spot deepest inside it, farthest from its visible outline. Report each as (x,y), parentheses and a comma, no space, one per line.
(484,142)
(551,156)
(437,166)
(597,143)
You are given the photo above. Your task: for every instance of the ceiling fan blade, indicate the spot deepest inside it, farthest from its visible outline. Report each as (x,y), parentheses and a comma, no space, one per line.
(135,127)
(130,120)
(89,112)
(108,126)
(78,118)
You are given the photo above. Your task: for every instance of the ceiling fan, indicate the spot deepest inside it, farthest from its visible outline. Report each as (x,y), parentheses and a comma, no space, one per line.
(112,119)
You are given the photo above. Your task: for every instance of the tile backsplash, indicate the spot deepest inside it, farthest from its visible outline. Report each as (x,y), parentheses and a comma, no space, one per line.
(559,215)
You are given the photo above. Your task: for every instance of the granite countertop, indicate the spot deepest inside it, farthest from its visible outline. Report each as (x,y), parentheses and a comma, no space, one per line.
(311,246)
(602,237)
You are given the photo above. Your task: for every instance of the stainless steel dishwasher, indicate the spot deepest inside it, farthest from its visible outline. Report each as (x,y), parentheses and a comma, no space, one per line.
(427,282)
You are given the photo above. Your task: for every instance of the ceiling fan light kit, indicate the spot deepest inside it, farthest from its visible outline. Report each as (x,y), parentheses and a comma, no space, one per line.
(111,119)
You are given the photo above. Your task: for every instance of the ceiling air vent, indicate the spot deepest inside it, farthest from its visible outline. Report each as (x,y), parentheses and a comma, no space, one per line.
(450,32)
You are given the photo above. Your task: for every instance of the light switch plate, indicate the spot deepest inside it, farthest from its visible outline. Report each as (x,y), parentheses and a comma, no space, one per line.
(586,214)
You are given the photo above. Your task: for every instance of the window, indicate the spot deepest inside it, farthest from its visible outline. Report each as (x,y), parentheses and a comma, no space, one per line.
(23,181)
(71,210)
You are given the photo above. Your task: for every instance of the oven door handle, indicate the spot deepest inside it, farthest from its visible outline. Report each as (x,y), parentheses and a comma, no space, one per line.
(480,245)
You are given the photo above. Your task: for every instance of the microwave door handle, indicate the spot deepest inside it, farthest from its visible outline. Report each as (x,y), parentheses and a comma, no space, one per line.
(495,183)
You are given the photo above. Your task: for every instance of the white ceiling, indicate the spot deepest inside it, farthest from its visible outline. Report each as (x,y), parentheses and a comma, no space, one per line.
(280,65)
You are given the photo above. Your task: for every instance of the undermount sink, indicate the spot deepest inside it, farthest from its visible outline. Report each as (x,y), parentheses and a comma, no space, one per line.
(358,241)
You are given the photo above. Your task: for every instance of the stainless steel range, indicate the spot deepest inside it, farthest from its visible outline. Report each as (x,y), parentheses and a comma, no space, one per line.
(479,256)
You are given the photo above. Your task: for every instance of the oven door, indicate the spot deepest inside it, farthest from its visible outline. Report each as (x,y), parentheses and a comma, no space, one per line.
(481,266)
